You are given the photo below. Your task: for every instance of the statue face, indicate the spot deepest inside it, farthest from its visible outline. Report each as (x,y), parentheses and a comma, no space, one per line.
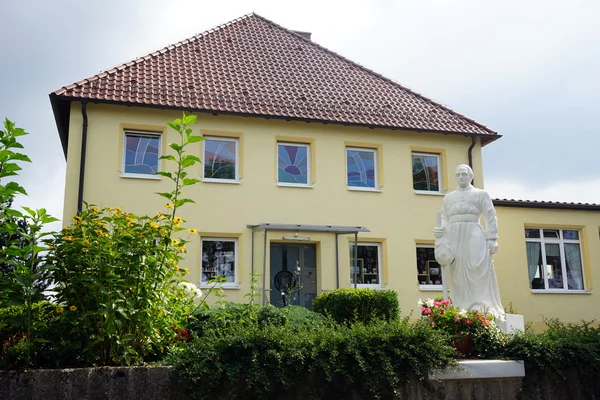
(463,177)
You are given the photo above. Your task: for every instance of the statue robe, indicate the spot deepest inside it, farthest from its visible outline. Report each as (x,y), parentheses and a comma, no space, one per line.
(471,276)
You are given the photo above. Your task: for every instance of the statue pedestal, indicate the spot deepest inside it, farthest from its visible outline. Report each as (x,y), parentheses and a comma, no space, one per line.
(514,323)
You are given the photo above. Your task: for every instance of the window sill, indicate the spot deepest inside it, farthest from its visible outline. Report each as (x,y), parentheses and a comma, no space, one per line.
(431,288)
(225,287)
(141,176)
(361,189)
(367,286)
(227,181)
(559,291)
(429,193)
(295,186)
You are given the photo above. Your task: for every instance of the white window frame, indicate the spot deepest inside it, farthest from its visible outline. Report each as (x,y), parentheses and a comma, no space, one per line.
(379,266)
(440,182)
(563,260)
(235,283)
(132,132)
(375,165)
(308,161)
(431,287)
(237,158)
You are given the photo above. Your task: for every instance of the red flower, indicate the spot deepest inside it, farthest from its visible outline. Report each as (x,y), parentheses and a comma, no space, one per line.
(468,321)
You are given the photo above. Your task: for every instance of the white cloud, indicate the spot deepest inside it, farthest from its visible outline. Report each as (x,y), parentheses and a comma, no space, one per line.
(582,192)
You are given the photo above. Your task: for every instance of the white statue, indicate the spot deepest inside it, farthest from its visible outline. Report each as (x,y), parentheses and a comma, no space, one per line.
(464,249)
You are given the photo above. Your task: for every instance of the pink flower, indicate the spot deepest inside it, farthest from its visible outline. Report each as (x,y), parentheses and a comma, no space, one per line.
(468,321)
(436,304)
(445,302)
(433,324)
(457,318)
(425,311)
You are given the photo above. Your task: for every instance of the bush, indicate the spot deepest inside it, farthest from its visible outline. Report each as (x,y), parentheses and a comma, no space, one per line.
(358,305)
(317,361)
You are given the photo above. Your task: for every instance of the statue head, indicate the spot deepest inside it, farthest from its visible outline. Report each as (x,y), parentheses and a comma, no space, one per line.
(464,175)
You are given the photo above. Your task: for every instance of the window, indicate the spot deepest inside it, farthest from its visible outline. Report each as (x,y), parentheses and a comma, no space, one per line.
(429,272)
(554,259)
(361,168)
(426,172)
(365,270)
(293,164)
(221,159)
(219,259)
(141,154)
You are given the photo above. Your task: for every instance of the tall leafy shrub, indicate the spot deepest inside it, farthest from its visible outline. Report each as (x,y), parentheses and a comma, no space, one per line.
(358,305)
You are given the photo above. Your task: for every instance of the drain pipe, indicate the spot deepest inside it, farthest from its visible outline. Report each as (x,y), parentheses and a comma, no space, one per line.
(470,151)
(84,128)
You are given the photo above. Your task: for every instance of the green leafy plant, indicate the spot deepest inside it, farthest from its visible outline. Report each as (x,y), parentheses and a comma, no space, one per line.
(358,305)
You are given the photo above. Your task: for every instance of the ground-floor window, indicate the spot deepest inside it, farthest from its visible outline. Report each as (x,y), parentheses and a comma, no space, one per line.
(554,259)
(429,272)
(365,269)
(219,259)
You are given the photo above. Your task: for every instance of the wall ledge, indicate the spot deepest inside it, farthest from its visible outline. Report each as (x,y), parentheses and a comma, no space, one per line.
(482,369)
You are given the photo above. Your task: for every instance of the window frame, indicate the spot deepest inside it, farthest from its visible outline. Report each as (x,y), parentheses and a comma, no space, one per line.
(375,151)
(236,283)
(380,268)
(141,133)
(429,287)
(236,140)
(439,157)
(563,260)
(309,171)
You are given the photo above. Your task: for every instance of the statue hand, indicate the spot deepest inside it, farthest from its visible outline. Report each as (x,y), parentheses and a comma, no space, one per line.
(438,232)
(492,246)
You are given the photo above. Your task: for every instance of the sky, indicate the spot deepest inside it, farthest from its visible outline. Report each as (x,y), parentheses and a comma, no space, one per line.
(529,70)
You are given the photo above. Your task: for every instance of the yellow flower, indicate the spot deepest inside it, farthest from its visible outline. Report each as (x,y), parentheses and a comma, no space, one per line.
(177,220)
(60,309)
(77,218)
(174,241)
(153,224)
(73,308)
(160,215)
(118,209)
(169,205)
(163,231)
(95,209)
(187,271)
(177,268)
(85,249)
(181,249)
(192,230)
(129,219)
(104,234)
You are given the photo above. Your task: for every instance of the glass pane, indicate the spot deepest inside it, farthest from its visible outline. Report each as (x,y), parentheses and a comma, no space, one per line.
(292,164)
(551,233)
(535,265)
(219,159)
(570,235)
(574,269)
(365,269)
(218,259)
(554,267)
(361,168)
(425,172)
(532,233)
(428,270)
(141,154)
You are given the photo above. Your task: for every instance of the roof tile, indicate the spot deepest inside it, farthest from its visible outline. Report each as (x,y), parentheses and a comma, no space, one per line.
(254,66)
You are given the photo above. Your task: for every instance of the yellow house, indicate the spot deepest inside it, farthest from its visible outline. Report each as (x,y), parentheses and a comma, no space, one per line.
(311,164)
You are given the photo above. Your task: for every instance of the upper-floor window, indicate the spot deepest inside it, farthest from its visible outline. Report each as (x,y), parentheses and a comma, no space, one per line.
(554,259)
(365,268)
(361,168)
(221,159)
(141,152)
(293,164)
(426,172)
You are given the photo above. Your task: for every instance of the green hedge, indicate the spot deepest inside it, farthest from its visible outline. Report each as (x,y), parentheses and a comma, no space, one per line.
(318,361)
(358,305)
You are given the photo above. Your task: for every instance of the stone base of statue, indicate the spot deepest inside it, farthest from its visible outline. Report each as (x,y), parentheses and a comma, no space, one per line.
(513,323)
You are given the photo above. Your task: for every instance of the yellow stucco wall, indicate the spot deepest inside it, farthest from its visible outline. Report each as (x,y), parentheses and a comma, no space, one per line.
(511,263)
(395,213)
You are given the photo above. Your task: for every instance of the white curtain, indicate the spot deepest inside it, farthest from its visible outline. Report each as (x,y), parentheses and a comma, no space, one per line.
(574,270)
(533,258)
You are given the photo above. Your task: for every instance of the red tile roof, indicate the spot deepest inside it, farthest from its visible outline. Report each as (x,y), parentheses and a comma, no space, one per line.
(546,204)
(253,66)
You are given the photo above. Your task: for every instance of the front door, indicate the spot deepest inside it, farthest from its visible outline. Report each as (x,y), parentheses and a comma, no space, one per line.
(294,273)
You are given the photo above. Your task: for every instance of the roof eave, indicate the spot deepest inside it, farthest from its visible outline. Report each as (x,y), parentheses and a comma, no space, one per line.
(485,138)
(60,123)
(545,205)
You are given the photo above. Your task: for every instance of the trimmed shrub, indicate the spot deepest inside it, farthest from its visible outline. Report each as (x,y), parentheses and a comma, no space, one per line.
(358,305)
(316,362)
